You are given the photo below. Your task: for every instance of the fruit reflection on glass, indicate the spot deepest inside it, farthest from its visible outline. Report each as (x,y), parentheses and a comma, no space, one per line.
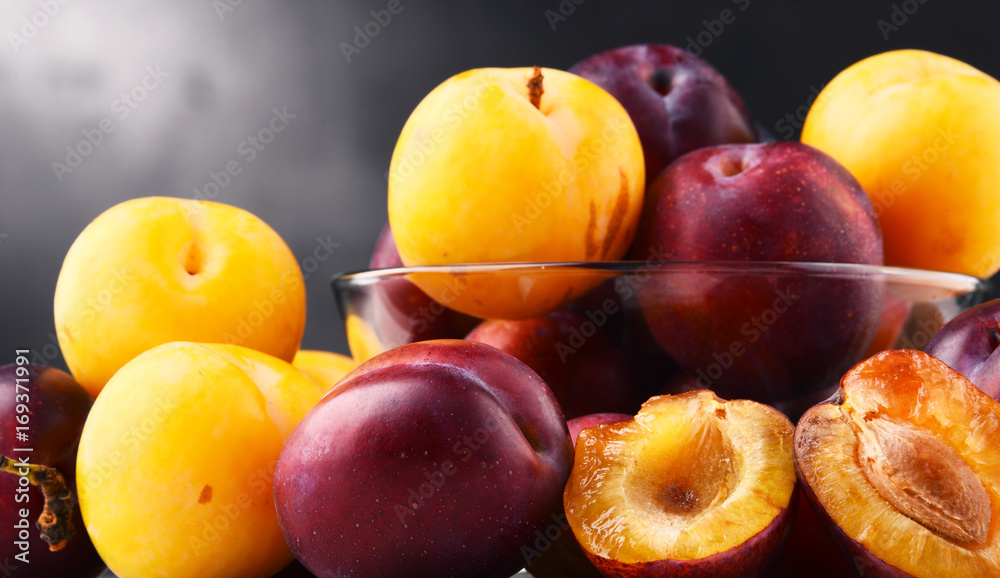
(402,312)
(520,164)
(438,458)
(592,377)
(176,461)
(919,131)
(766,338)
(154,270)
(55,407)
(677,101)
(902,467)
(692,486)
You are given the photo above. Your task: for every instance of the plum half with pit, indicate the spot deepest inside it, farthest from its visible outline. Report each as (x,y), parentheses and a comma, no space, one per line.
(902,468)
(56,407)
(692,486)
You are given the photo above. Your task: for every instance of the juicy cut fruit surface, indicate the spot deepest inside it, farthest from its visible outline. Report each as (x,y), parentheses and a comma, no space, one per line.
(691,480)
(905,468)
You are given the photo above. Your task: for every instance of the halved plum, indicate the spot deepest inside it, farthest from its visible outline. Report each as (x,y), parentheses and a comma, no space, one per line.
(692,486)
(904,469)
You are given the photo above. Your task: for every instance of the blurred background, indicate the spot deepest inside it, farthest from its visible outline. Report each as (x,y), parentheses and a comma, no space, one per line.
(171,91)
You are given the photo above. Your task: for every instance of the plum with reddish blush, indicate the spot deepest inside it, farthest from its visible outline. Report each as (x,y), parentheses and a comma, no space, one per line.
(677,101)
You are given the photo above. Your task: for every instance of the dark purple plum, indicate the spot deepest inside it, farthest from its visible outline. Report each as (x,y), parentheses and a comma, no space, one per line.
(773,333)
(438,458)
(57,407)
(970,344)
(677,101)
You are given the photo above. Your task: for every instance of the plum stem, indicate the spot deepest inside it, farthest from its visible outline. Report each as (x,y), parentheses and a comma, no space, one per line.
(993,331)
(56,519)
(535,89)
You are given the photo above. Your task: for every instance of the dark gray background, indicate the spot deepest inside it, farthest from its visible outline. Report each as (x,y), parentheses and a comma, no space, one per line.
(322,177)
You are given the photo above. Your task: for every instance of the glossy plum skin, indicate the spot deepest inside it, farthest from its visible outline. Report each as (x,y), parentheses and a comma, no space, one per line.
(970,344)
(677,101)
(58,407)
(810,551)
(405,314)
(862,561)
(754,336)
(563,557)
(439,458)
(586,374)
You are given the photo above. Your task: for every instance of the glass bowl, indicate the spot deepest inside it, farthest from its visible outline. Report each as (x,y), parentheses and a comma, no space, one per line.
(781,333)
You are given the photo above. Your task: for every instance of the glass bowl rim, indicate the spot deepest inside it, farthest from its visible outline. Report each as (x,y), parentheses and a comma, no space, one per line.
(957,283)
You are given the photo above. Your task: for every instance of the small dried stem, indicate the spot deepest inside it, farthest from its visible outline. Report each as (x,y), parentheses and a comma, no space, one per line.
(535,89)
(56,520)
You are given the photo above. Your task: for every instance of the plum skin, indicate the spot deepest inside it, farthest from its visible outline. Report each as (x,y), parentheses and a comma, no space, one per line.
(970,344)
(407,449)
(677,101)
(58,407)
(777,202)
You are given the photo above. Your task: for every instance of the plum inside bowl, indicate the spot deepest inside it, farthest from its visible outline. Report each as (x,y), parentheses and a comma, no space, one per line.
(781,333)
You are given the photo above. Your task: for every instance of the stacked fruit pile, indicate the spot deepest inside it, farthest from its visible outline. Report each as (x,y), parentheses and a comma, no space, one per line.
(201,441)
